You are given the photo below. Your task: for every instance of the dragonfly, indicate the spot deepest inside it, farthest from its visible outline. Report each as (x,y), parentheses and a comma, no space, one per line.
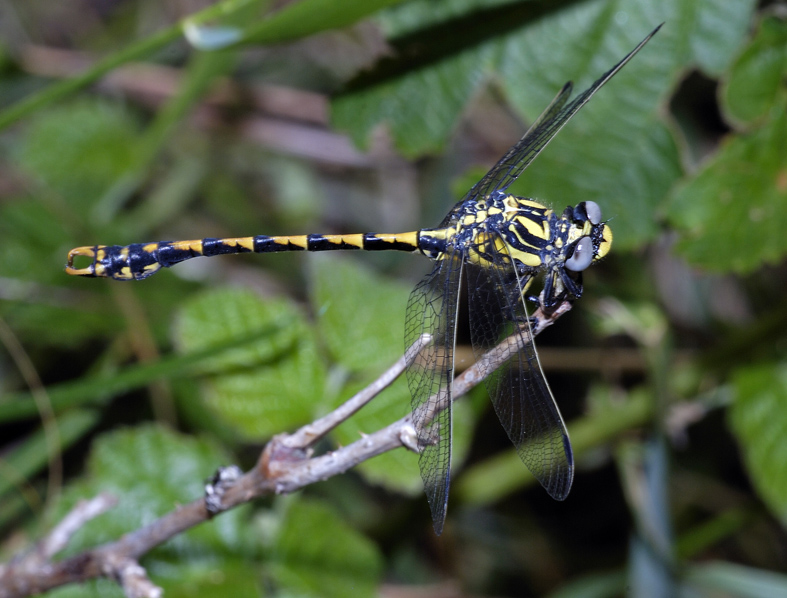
(493,242)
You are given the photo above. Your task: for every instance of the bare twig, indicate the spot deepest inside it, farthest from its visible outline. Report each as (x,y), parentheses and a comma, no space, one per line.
(61,534)
(133,579)
(19,577)
(311,433)
(285,465)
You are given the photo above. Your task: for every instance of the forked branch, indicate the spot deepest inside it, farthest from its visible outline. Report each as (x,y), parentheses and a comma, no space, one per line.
(285,465)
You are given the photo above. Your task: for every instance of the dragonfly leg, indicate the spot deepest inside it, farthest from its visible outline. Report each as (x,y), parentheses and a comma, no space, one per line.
(572,285)
(560,285)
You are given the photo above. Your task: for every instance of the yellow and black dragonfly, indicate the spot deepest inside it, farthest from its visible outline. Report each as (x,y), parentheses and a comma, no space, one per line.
(498,243)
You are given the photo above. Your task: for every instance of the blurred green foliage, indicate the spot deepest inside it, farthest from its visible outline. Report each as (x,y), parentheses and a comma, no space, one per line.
(154,385)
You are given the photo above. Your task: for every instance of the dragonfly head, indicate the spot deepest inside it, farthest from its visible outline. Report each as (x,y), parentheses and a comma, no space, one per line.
(593,236)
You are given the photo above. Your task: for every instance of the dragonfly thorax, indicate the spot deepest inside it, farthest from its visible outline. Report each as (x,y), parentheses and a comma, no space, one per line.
(534,235)
(501,230)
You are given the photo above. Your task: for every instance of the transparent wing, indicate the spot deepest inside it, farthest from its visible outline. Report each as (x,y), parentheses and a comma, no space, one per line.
(432,310)
(519,392)
(546,126)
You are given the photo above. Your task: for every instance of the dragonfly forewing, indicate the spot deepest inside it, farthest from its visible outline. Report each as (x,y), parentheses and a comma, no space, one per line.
(546,126)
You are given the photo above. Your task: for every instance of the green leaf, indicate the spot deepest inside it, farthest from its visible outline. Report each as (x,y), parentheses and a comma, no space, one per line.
(615,152)
(151,469)
(55,325)
(710,533)
(308,17)
(265,387)
(715,30)
(421,107)
(31,455)
(729,579)
(733,209)
(270,399)
(210,578)
(197,80)
(360,314)
(98,588)
(317,554)
(216,317)
(755,84)
(416,15)
(33,241)
(102,386)
(78,150)
(758,417)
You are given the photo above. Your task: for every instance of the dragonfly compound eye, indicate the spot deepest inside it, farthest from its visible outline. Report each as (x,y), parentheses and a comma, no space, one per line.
(582,256)
(593,211)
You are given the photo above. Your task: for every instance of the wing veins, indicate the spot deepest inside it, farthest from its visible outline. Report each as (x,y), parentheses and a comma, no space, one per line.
(518,388)
(546,126)
(432,309)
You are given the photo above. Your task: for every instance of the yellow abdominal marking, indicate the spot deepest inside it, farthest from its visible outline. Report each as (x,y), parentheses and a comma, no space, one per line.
(410,238)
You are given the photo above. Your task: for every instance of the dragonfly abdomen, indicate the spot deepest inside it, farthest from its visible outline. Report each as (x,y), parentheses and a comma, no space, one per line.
(140,260)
